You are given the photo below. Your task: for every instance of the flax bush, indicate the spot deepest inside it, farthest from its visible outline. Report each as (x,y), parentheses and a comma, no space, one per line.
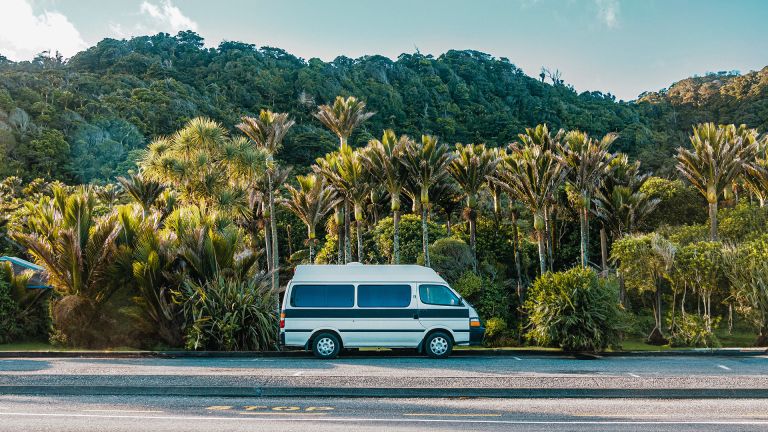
(574,310)
(231,314)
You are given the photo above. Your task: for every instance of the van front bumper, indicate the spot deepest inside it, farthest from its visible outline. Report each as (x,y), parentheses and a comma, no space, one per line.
(476,335)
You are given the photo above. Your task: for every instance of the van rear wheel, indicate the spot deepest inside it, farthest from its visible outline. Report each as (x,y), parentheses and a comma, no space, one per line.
(438,345)
(326,346)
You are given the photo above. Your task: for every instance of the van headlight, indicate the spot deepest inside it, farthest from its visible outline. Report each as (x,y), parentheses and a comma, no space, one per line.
(474,322)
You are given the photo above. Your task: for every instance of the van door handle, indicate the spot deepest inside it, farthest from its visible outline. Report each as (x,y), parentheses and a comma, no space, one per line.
(415,316)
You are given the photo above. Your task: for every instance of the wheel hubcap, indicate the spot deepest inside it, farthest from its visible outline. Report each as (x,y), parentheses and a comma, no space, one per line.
(438,345)
(326,346)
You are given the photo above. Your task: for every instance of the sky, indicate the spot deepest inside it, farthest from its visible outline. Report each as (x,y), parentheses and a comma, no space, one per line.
(623,47)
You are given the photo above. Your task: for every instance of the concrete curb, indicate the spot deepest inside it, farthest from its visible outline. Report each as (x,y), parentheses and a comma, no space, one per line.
(723,352)
(377,392)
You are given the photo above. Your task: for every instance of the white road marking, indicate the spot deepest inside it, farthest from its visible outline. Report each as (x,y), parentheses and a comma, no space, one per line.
(634,375)
(723,367)
(452,415)
(298,373)
(517,358)
(395,420)
(122,411)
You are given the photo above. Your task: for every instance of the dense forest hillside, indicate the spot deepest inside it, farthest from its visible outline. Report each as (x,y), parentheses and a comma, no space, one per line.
(89,117)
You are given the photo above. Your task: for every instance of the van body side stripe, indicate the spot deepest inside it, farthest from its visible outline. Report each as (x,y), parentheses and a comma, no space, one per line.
(376,313)
(372,331)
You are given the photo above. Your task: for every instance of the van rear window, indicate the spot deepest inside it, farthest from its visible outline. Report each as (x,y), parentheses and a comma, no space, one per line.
(323,296)
(383,295)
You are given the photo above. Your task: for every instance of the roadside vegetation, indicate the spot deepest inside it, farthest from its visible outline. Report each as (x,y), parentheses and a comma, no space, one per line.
(557,236)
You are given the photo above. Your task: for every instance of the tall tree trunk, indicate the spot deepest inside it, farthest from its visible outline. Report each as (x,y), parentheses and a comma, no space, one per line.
(273,225)
(549,241)
(473,238)
(539,225)
(359,226)
(584,236)
(713,221)
(339,214)
(448,227)
(424,234)
(268,244)
(622,288)
(604,250)
(516,252)
(542,251)
(311,241)
(396,236)
(360,256)
(348,232)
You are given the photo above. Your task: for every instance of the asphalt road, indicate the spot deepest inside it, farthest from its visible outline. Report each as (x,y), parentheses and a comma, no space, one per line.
(736,372)
(24,413)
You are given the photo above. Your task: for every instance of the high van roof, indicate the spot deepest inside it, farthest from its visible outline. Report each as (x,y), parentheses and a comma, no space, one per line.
(355,272)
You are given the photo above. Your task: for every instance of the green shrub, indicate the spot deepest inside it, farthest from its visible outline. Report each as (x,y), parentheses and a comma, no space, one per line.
(690,330)
(9,328)
(229,314)
(410,237)
(450,257)
(574,310)
(470,286)
(497,333)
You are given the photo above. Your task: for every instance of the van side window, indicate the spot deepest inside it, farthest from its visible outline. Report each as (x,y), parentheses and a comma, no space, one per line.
(383,295)
(323,296)
(439,295)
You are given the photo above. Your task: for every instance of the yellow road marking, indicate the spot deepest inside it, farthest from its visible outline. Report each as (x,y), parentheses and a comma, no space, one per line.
(254,407)
(219,408)
(451,415)
(320,408)
(286,408)
(288,413)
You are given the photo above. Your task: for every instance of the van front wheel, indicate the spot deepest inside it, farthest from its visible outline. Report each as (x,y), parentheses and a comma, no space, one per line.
(438,345)
(326,346)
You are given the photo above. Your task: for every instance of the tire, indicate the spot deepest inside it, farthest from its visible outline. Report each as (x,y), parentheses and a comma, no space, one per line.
(438,345)
(326,346)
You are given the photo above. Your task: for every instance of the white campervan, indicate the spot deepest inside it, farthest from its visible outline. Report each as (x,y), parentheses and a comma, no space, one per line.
(330,307)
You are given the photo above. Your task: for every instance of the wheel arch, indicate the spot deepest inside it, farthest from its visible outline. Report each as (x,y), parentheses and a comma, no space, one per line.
(315,333)
(433,330)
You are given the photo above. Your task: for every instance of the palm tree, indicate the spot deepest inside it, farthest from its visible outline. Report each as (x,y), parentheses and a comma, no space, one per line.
(532,174)
(267,132)
(79,252)
(342,118)
(716,161)
(471,168)
(621,206)
(385,159)
(349,174)
(199,160)
(448,196)
(427,161)
(542,137)
(143,191)
(310,202)
(756,172)
(586,159)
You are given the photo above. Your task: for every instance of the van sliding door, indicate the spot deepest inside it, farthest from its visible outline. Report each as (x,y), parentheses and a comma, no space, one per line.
(385,317)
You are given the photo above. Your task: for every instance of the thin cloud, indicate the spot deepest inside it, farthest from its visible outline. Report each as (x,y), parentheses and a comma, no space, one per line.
(608,12)
(24,34)
(167,16)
